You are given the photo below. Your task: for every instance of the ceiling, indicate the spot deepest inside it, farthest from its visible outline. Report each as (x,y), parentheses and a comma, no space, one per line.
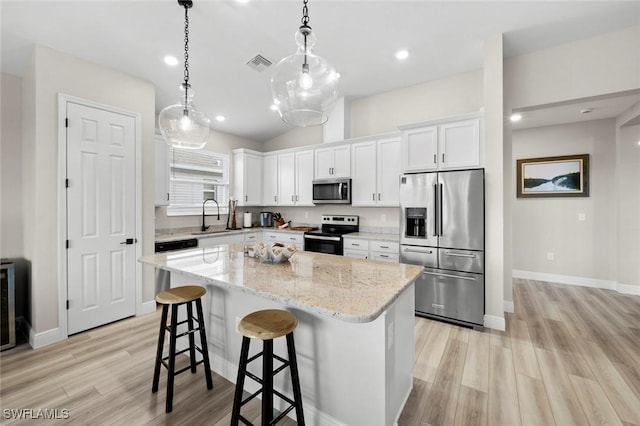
(358,37)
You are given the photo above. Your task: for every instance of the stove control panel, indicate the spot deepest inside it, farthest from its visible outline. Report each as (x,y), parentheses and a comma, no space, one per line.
(340,220)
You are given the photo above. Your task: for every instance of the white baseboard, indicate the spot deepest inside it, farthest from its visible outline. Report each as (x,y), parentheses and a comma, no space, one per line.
(496,323)
(146,308)
(628,289)
(565,279)
(508,306)
(312,415)
(44,338)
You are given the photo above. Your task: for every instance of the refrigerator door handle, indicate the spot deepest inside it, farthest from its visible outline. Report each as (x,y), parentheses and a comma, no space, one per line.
(435,209)
(449,276)
(448,253)
(440,203)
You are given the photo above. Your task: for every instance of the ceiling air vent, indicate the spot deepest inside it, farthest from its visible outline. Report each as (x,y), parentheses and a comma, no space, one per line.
(259,63)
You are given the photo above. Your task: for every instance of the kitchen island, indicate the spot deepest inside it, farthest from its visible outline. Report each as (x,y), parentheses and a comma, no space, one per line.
(355,335)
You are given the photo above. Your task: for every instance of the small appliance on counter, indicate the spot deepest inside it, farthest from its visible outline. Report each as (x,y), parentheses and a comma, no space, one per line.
(329,238)
(266,219)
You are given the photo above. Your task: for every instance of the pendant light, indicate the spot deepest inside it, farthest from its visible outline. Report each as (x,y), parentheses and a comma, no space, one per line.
(304,85)
(181,124)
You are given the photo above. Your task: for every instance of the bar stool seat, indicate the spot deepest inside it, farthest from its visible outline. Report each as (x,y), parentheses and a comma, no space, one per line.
(174,297)
(267,325)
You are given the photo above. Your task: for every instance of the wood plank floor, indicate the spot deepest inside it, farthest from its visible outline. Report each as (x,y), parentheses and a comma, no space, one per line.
(570,356)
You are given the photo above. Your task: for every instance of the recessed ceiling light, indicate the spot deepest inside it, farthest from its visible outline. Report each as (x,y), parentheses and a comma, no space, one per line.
(220,118)
(402,54)
(242,1)
(515,117)
(171,60)
(274,107)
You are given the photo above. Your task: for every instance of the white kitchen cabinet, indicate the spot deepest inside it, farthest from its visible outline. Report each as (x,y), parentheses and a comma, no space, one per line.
(253,237)
(304,178)
(247,176)
(270,180)
(447,145)
(375,171)
(387,251)
(333,162)
(161,171)
(286,179)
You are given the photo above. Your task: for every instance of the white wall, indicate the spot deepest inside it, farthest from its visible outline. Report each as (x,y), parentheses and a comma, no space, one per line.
(11,240)
(49,73)
(542,225)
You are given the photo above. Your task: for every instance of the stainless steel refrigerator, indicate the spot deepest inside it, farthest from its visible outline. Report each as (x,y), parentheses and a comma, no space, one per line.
(442,229)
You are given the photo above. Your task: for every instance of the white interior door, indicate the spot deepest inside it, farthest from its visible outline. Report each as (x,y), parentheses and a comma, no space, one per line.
(101,217)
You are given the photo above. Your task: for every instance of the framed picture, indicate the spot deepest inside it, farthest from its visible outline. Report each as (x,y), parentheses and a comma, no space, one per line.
(566,176)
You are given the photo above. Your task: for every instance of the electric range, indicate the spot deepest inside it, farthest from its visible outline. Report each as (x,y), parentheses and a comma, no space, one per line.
(328,239)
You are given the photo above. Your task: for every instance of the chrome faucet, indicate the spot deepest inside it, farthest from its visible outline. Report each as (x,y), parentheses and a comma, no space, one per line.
(204,228)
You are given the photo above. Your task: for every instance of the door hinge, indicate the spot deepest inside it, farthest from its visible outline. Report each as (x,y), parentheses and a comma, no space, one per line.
(67,244)
(67,304)
(66,122)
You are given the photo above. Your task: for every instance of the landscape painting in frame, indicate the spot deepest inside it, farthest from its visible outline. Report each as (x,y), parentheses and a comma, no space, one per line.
(566,176)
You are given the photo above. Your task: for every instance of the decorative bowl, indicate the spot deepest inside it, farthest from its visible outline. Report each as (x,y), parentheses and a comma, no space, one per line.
(274,252)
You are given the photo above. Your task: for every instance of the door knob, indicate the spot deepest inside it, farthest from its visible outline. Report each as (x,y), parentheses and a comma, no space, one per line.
(129,241)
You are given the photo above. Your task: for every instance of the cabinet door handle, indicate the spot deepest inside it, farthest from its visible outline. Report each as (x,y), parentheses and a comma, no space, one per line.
(297,198)
(443,157)
(435,159)
(293,198)
(246,198)
(167,196)
(355,244)
(275,198)
(292,238)
(384,247)
(373,196)
(383,255)
(378,196)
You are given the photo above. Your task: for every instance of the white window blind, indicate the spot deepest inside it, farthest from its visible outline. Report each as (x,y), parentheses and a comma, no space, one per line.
(195,176)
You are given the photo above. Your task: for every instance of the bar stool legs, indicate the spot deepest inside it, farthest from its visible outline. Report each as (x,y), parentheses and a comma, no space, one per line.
(267,325)
(174,298)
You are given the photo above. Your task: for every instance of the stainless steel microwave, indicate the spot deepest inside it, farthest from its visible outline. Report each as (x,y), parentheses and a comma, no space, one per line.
(332,191)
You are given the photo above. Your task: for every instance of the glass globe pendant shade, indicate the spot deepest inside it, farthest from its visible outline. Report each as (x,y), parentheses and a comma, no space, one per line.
(304,85)
(183,125)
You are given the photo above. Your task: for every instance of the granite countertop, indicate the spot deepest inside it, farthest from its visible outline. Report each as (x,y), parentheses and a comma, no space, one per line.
(164,236)
(392,238)
(343,288)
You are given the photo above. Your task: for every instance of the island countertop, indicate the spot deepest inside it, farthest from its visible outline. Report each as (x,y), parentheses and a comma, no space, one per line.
(343,288)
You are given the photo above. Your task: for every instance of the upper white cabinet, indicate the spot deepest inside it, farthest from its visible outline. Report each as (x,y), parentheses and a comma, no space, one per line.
(375,169)
(247,177)
(287,179)
(162,171)
(333,162)
(447,145)
(270,180)
(304,178)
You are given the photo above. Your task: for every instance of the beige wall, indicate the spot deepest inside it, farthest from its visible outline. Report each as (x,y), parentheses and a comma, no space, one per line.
(628,202)
(384,112)
(541,225)
(300,136)
(11,240)
(599,65)
(48,74)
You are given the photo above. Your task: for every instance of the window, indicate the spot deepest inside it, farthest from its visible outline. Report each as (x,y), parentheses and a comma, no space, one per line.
(196,176)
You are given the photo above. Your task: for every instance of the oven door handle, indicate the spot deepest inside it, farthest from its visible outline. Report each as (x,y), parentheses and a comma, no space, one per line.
(320,237)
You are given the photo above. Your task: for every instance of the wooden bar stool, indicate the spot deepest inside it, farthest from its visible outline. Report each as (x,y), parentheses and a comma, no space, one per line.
(175,297)
(267,325)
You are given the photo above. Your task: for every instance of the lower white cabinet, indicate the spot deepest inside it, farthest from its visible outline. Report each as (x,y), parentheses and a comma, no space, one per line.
(371,249)
(253,237)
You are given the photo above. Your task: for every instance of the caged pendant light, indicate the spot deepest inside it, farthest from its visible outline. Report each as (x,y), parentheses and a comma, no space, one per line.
(182,124)
(304,85)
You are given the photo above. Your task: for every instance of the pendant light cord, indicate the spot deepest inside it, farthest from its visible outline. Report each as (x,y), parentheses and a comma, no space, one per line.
(305,30)
(186,54)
